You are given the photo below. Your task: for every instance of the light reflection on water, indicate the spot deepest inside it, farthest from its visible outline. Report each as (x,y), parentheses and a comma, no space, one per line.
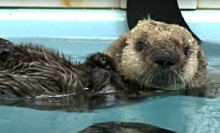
(179,113)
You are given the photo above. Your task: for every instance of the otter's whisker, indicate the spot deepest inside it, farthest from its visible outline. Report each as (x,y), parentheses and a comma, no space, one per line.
(147,78)
(153,77)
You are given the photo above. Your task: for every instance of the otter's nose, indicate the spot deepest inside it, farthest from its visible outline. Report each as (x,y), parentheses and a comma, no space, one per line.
(165,60)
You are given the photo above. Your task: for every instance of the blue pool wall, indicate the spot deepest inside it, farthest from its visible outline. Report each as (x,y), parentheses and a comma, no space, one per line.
(92,24)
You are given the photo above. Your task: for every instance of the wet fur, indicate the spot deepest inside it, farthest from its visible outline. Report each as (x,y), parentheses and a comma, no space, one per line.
(32,70)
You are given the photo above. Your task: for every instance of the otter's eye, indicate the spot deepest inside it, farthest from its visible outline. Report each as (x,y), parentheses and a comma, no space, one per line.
(140,46)
(186,50)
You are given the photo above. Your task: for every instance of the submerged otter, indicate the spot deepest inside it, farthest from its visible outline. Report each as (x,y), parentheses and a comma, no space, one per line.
(124,127)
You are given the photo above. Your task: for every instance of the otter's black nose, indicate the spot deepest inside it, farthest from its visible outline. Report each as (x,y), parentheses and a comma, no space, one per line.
(165,60)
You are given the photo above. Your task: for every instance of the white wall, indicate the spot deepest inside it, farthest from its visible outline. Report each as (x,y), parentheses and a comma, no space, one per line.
(184,4)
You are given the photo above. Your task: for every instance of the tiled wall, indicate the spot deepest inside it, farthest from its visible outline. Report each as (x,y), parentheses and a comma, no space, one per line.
(184,4)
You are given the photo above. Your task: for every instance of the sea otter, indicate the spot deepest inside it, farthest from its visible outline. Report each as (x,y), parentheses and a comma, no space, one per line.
(32,70)
(152,56)
(159,56)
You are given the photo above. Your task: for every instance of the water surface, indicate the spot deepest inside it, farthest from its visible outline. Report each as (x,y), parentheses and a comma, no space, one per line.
(179,113)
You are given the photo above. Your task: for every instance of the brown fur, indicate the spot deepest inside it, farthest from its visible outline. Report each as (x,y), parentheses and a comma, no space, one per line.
(29,70)
(33,70)
(190,70)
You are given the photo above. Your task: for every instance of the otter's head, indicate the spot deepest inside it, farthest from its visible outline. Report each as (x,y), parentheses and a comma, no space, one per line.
(159,55)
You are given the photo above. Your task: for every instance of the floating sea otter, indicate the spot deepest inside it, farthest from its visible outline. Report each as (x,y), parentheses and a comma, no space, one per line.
(159,56)
(154,55)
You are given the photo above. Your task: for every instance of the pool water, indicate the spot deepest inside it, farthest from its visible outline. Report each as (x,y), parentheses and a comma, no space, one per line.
(179,113)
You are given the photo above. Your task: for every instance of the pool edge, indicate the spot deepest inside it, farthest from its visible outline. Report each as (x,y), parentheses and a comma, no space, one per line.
(92,24)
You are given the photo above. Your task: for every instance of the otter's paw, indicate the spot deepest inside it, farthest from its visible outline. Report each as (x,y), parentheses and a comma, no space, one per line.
(5,46)
(100,60)
(104,81)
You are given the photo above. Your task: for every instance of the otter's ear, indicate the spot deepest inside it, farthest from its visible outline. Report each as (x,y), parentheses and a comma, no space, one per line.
(201,75)
(116,47)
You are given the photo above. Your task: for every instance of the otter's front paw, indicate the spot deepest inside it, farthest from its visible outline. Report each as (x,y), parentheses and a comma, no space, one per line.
(100,60)
(103,81)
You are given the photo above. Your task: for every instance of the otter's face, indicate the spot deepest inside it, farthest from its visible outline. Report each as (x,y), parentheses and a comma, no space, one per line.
(164,56)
